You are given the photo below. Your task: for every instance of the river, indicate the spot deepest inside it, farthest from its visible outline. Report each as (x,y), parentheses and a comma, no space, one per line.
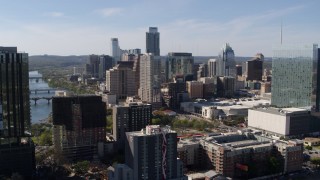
(42,109)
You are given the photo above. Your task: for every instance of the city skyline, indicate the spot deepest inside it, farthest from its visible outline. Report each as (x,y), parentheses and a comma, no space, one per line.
(80,27)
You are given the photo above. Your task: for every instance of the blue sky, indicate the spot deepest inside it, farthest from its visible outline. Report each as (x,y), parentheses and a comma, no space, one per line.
(81,27)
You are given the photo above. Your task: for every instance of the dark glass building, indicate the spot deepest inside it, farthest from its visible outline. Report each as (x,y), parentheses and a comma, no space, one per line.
(106,63)
(79,125)
(153,41)
(254,68)
(16,147)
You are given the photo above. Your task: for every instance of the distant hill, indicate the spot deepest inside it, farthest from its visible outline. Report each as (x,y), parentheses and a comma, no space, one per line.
(43,61)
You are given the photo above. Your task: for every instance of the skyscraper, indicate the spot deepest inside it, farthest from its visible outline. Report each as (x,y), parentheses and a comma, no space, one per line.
(254,68)
(121,80)
(295,76)
(203,71)
(132,116)
(150,67)
(226,62)
(153,41)
(16,147)
(115,49)
(106,63)
(152,153)
(212,67)
(92,67)
(179,64)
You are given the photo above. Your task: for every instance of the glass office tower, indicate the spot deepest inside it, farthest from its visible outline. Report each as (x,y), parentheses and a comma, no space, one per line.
(17,151)
(294,76)
(14,92)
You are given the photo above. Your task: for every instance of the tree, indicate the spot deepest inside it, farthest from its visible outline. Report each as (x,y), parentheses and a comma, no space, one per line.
(274,164)
(81,167)
(156,121)
(45,138)
(315,161)
(308,147)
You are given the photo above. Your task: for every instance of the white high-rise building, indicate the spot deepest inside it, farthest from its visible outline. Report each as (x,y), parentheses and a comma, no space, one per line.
(115,49)
(150,68)
(212,67)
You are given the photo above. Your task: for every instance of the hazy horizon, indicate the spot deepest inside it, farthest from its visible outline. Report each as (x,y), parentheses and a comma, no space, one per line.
(80,27)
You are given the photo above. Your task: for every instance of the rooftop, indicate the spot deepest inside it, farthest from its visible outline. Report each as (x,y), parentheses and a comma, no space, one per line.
(282,111)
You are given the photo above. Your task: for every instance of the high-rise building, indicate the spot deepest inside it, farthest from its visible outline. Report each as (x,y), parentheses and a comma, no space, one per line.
(150,67)
(254,68)
(121,80)
(174,93)
(78,125)
(16,147)
(136,51)
(203,71)
(152,153)
(92,66)
(132,116)
(195,89)
(212,67)
(238,70)
(209,86)
(179,64)
(153,41)
(225,86)
(115,49)
(106,63)
(295,76)
(226,62)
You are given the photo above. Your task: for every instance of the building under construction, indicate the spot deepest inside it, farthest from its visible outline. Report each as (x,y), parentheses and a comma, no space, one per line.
(79,125)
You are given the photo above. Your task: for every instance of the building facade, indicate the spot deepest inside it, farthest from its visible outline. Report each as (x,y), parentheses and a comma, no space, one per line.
(121,80)
(153,41)
(174,93)
(212,67)
(179,64)
(78,126)
(130,117)
(254,68)
(16,147)
(281,122)
(225,86)
(152,154)
(150,68)
(106,63)
(242,155)
(195,89)
(295,76)
(226,62)
(115,50)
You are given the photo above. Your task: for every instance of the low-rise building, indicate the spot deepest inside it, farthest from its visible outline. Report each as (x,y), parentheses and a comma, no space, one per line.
(280,122)
(242,155)
(309,141)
